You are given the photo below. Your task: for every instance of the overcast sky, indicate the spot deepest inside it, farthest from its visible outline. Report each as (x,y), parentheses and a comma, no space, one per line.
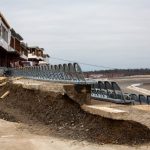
(112,33)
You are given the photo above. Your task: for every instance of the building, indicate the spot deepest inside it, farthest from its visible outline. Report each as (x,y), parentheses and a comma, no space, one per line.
(19,50)
(45,59)
(12,49)
(5,35)
(14,52)
(24,51)
(35,54)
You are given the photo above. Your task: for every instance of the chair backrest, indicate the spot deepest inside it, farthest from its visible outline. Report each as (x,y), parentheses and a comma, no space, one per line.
(78,71)
(96,86)
(108,85)
(66,71)
(72,72)
(60,66)
(135,98)
(143,99)
(115,86)
(117,90)
(148,99)
(101,85)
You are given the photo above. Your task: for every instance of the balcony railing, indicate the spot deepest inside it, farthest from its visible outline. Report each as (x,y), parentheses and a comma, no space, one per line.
(10,49)
(32,56)
(41,58)
(24,56)
(5,45)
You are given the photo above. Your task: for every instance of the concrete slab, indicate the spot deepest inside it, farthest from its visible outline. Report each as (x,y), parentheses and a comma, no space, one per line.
(40,85)
(143,107)
(106,112)
(79,93)
(137,113)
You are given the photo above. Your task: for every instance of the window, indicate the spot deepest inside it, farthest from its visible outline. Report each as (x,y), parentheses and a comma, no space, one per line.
(0,30)
(4,34)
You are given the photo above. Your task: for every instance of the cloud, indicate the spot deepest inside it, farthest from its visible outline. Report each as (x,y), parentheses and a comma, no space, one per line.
(104,32)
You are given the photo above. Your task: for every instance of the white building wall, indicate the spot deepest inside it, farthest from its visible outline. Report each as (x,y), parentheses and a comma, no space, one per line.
(3,42)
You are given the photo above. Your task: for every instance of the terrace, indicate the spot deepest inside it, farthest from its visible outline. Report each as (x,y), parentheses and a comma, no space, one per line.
(35,54)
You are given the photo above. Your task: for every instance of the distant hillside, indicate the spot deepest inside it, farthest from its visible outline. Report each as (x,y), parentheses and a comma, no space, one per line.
(116,73)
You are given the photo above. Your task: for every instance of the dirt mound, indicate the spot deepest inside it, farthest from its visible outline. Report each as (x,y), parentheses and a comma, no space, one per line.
(7,117)
(68,120)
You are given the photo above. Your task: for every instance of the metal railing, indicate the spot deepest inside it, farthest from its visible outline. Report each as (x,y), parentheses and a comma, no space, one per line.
(69,73)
